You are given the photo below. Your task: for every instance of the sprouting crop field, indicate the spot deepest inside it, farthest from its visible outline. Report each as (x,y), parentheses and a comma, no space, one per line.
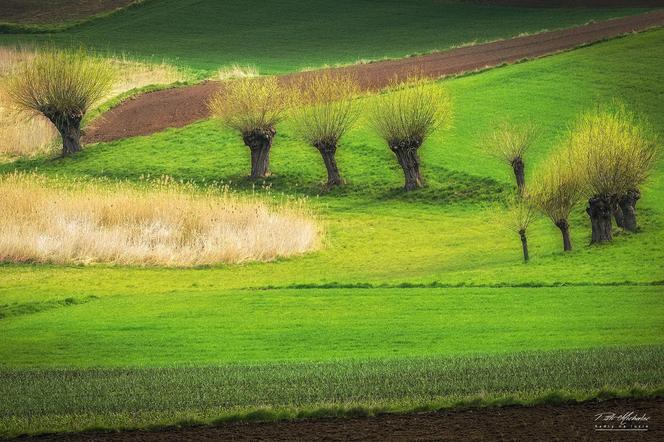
(122,307)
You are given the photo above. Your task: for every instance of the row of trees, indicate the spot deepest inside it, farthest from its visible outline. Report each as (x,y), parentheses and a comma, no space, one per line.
(606,157)
(323,109)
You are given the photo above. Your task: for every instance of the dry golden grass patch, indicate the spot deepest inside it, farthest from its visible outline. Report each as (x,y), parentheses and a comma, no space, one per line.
(21,135)
(55,221)
(234,72)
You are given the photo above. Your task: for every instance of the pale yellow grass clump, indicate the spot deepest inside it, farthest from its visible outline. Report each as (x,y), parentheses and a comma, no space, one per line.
(234,72)
(54,221)
(22,136)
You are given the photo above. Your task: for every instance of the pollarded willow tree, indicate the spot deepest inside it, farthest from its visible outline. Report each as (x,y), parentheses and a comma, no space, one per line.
(323,111)
(509,143)
(615,154)
(61,85)
(520,215)
(253,107)
(406,116)
(557,188)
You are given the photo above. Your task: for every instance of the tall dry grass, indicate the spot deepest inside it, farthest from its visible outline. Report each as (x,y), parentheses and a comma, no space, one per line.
(56,221)
(22,136)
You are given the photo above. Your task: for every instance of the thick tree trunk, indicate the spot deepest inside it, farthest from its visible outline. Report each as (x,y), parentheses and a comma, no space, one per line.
(627,206)
(410,163)
(518,167)
(328,151)
(563,225)
(618,215)
(600,209)
(260,143)
(69,127)
(524,245)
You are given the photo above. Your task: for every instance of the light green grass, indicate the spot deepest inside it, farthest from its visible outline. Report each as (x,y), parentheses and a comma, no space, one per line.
(569,312)
(292,34)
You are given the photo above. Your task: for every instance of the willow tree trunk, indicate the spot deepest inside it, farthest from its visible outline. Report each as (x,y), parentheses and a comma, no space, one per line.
(260,143)
(524,245)
(69,127)
(518,168)
(600,209)
(627,206)
(409,161)
(328,152)
(563,225)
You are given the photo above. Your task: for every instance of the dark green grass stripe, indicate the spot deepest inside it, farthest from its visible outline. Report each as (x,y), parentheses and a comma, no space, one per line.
(442,285)
(27,308)
(37,400)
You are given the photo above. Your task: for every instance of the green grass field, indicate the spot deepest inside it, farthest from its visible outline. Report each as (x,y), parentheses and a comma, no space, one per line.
(290,35)
(422,297)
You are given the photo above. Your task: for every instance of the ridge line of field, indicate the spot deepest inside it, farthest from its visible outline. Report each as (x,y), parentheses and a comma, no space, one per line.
(440,285)
(153,112)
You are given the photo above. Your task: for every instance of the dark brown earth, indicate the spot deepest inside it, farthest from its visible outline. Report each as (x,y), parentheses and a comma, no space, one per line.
(54,11)
(576,3)
(545,422)
(156,111)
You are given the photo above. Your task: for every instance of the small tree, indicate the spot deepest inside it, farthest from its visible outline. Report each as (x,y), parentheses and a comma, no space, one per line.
(509,143)
(253,107)
(520,215)
(556,190)
(615,155)
(405,117)
(323,112)
(62,85)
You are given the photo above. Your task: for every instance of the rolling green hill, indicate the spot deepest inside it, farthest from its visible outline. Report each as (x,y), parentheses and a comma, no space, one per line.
(412,285)
(291,34)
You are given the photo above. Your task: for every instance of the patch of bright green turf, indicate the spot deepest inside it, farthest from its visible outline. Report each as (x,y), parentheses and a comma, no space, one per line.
(213,326)
(292,34)
(74,399)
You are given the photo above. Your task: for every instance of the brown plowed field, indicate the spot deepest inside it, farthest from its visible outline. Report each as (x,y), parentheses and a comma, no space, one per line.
(55,11)
(156,111)
(574,422)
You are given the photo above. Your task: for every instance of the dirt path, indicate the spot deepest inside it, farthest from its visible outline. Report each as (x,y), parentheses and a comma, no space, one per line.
(546,422)
(156,111)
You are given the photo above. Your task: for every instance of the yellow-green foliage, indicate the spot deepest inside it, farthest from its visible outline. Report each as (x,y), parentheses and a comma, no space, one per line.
(613,151)
(521,213)
(249,104)
(60,83)
(509,141)
(410,112)
(558,186)
(324,107)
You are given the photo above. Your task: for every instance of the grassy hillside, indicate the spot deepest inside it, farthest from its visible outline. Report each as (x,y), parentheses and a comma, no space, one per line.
(293,34)
(439,277)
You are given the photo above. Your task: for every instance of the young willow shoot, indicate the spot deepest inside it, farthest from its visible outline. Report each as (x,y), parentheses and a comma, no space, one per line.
(616,155)
(253,107)
(509,143)
(404,117)
(520,215)
(61,85)
(556,190)
(324,110)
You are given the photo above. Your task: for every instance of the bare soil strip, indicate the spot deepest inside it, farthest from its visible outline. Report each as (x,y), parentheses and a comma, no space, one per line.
(55,11)
(544,422)
(153,112)
(575,3)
